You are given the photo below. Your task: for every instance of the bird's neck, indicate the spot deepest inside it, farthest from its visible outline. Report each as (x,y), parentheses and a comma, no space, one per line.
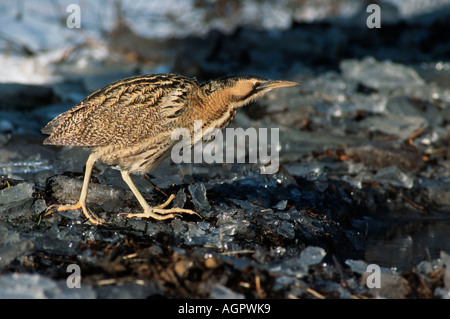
(216,110)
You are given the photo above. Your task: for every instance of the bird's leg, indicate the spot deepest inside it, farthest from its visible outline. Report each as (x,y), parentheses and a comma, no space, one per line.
(82,201)
(157,212)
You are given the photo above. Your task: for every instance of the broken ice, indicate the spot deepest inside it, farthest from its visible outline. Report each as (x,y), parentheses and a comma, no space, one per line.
(380,75)
(198,193)
(394,176)
(298,267)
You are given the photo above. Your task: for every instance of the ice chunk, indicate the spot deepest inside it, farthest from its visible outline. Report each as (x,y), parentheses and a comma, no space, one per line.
(438,191)
(26,166)
(321,185)
(39,206)
(312,255)
(305,169)
(198,193)
(196,234)
(18,193)
(179,227)
(281,205)
(378,155)
(392,285)
(282,281)
(229,229)
(155,228)
(66,190)
(16,201)
(127,290)
(25,286)
(246,205)
(398,125)
(10,252)
(446,261)
(286,229)
(357,266)
(333,287)
(219,291)
(375,103)
(375,74)
(406,106)
(180,199)
(6,126)
(443,293)
(34,286)
(428,266)
(298,267)
(394,176)
(12,246)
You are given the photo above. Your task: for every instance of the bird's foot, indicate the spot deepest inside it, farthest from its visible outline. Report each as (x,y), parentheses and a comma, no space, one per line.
(160,213)
(60,208)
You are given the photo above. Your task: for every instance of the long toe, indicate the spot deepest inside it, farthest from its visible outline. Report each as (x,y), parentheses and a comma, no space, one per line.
(150,214)
(61,208)
(175,210)
(167,202)
(94,219)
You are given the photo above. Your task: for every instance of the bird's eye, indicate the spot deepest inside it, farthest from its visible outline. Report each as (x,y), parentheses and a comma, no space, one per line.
(256,85)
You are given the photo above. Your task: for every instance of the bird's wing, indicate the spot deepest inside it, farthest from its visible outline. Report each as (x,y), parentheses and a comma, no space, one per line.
(122,113)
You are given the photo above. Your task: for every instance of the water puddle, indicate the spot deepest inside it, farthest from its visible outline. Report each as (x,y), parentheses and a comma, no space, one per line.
(406,244)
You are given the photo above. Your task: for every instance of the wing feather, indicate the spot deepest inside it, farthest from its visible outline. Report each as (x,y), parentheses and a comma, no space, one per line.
(123,113)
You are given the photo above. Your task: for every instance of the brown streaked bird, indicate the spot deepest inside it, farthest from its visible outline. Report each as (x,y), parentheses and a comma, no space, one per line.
(129,123)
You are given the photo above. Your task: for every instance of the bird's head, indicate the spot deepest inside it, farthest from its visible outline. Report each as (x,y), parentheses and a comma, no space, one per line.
(237,91)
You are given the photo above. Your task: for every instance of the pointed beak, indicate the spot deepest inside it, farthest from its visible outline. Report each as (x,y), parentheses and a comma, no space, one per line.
(275,84)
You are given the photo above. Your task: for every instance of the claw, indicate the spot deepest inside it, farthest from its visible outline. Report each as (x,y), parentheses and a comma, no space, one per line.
(60,208)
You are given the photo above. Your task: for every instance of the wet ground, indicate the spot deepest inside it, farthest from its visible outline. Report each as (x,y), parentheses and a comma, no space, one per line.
(363,179)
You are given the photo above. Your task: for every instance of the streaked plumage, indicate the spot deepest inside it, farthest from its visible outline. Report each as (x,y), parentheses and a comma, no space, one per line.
(129,123)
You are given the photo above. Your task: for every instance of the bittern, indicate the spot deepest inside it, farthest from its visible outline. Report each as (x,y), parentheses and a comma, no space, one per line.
(129,123)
